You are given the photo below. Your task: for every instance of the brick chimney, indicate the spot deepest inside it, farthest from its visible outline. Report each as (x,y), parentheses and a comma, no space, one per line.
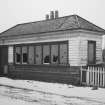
(47,17)
(56,14)
(52,15)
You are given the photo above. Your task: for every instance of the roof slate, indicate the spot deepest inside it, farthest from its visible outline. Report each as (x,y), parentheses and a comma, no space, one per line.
(71,22)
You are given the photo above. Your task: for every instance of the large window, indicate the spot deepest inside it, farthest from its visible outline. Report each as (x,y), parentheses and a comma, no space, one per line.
(46,54)
(24,55)
(18,55)
(31,55)
(38,54)
(54,54)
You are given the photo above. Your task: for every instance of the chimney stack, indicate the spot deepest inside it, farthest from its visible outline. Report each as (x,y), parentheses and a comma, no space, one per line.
(52,15)
(47,17)
(56,14)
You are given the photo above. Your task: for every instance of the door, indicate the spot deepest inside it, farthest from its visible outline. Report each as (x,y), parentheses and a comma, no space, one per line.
(91,52)
(3,57)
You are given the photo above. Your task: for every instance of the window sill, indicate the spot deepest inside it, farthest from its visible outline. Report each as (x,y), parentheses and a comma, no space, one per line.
(45,64)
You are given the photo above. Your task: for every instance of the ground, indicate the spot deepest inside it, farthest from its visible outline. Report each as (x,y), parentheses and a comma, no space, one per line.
(28,92)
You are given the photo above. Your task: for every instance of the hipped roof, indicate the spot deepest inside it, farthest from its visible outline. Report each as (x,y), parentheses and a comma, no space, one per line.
(72,22)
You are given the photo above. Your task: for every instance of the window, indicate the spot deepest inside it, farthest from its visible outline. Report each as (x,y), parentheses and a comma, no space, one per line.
(18,55)
(24,55)
(63,53)
(46,54)
(54,54)
(38,54)
(31,55)
(10,54)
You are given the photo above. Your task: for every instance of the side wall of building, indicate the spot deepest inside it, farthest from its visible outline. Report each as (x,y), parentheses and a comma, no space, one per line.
(61,73)
(74,59)
(77,56)
(77,45)
(84,38)
(73,47)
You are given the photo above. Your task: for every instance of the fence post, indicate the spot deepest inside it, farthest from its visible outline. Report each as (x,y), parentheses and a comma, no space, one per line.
(93,76)
(87,77)
(98,76)
(81,76)
(90,75)
(103,77)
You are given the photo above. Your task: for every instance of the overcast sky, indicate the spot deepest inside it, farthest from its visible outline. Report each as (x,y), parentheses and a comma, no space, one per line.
(13,12)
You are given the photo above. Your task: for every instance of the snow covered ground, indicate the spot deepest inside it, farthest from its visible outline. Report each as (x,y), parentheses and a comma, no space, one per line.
(28,92)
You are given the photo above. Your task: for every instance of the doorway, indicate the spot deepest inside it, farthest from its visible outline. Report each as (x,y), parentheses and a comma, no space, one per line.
(91,52)
(3,57)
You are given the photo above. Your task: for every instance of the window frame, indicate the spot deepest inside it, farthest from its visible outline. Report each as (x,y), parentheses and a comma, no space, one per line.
(36,53)
(41,44)
(31,46)
(15,58)
(27,51)
(49,55)
(60,61)
(57,54)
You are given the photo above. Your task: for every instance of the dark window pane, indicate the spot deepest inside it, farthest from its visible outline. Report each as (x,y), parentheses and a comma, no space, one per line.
(47,59)
(91,52)
(83,76)
(18,55)
(46,54)
(24,54)
(24,57)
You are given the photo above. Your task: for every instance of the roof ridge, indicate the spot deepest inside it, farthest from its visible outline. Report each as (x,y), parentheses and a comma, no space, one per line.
(90,23)
(61,23)
(47,20)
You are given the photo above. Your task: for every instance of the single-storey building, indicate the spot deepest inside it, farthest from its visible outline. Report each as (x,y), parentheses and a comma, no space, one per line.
(53,49)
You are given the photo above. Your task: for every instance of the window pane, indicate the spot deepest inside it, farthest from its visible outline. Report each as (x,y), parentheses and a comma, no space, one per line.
(24,54)
(31,55)
(54,54)
(18,55)
(38,52)
(63,53)
(46,54)
(10,54)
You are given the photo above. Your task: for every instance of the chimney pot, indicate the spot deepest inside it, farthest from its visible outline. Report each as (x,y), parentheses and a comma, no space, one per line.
(52,15)
(56,14)
(47,17)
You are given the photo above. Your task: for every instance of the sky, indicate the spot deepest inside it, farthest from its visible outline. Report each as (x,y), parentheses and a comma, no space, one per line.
(14,12)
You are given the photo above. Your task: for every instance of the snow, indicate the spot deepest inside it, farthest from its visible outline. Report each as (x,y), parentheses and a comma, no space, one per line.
(28,92)
(9,101)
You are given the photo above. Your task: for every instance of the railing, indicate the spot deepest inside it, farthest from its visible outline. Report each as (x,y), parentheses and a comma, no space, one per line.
(93,76)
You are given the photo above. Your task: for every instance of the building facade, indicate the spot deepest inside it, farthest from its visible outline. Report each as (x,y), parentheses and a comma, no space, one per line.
(51,50)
